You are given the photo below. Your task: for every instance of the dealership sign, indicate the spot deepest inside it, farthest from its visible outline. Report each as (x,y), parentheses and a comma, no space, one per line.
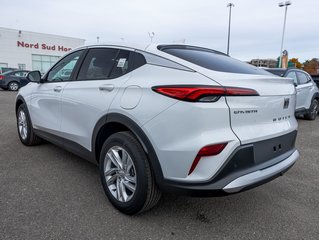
(43,46)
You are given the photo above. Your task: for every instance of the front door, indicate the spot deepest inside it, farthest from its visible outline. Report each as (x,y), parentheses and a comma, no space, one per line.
(46,98)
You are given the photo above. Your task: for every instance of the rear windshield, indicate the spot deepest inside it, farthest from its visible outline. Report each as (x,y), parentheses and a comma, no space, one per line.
(278,72)
(212,60)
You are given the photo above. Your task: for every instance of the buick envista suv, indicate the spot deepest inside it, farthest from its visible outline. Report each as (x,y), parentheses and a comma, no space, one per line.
(163,118)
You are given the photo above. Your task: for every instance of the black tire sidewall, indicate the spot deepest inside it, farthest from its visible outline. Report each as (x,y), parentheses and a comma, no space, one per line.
(310,115)
(136,152)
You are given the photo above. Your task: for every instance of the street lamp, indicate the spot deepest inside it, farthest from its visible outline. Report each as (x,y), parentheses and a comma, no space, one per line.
(151,35)
(230,5)
(283,4)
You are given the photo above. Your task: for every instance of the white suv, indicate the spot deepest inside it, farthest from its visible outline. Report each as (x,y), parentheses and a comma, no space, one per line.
(160,118)
(307,99)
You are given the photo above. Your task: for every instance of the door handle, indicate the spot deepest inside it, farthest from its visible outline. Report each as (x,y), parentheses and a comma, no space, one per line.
(106,87)
(57,89)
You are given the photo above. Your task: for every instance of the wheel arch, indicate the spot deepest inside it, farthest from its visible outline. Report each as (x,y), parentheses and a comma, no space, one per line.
(19,101)
(115,122)
(315,96)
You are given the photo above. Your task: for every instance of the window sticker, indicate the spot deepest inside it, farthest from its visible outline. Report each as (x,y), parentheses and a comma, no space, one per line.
(121,62)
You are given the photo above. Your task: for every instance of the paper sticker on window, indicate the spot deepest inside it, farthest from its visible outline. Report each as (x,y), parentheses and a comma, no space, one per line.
(121,62)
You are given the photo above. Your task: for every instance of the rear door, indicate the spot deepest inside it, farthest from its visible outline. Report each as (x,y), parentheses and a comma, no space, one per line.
(86,99)
(46,97)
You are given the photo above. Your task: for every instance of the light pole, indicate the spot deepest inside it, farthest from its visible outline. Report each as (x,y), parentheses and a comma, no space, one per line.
(230,5)
(283,4)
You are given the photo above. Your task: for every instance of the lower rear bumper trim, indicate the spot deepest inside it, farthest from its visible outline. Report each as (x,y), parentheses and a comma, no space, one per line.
(258,176)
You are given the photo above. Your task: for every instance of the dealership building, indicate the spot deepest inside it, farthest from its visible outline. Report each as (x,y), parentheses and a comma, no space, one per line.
(33,51)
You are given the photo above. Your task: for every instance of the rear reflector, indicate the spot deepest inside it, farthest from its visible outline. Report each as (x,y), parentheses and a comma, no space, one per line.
(202,93)
(210,150)
(1,77)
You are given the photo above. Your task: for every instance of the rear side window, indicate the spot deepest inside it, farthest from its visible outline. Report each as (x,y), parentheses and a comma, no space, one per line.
(98,64)
(121,64)
(212,60)
(138,60)
(302,78)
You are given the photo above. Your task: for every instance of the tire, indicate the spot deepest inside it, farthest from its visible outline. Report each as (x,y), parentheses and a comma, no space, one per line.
(313,110)
(13,86)
(133,175)
(25,130)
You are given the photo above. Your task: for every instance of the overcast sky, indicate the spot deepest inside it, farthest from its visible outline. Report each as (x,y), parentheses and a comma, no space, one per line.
(256,24)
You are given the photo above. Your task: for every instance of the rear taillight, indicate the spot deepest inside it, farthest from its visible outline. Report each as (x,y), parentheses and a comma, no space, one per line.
(202,93)
(1,77)
(210,150)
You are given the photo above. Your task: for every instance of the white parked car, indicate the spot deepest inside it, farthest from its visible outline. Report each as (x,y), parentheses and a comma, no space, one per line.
(307,100)
(161,118)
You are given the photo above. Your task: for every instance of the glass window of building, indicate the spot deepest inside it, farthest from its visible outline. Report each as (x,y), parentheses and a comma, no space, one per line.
(43,62)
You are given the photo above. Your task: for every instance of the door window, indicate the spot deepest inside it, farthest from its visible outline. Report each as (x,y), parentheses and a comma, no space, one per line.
(98,64)
(121,64)
(302,78)
(293,76)
(63,70)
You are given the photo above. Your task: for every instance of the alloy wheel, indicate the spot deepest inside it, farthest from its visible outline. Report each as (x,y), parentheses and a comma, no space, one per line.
(13,86)
(22,125)
(120,174)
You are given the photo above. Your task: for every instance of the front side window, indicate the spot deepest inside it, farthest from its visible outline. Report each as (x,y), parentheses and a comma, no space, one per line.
(62,71)
(98,64)
(302,78)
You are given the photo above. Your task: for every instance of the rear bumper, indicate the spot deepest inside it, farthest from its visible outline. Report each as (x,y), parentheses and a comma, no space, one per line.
(249,166)
(261,175)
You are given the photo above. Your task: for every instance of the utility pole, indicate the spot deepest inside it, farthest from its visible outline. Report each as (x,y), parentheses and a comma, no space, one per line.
(230,5)
(286,4)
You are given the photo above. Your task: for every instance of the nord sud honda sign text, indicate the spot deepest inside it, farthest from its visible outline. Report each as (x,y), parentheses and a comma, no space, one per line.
(43,46)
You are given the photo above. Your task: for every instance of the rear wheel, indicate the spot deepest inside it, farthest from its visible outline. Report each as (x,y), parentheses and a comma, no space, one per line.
(25,130)
(126,176)
(13,86)
(313,110)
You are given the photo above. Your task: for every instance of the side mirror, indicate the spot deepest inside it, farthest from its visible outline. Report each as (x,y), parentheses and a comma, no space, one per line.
(34,76)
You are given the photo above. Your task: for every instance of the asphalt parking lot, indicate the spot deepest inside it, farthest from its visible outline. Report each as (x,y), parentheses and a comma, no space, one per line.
(48,193)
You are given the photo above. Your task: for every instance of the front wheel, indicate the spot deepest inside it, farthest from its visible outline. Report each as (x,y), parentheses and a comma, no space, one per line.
(25,130)
(126,175)
(313,110)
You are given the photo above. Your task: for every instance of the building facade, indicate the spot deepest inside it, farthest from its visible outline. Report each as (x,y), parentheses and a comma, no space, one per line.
(33,51)
(269,63)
